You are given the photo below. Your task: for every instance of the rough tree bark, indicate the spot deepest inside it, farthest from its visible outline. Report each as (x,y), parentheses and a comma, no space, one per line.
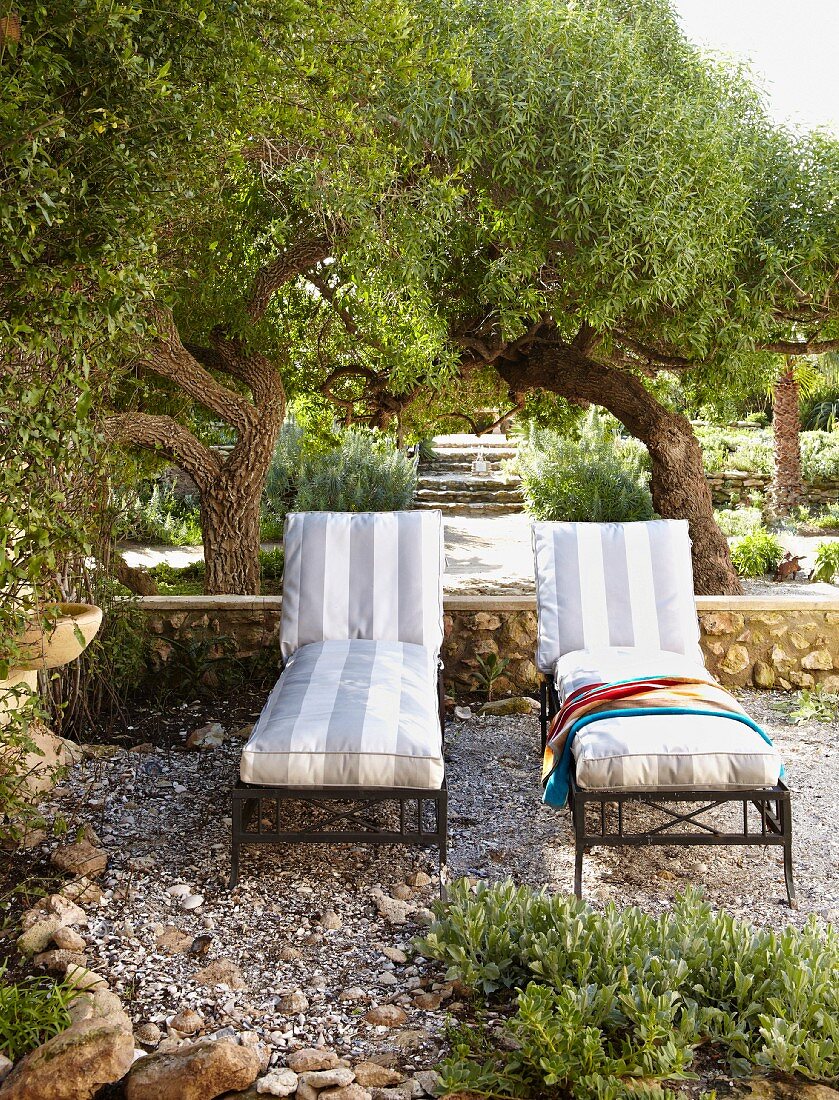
(678,484)
(787,486)
(230,489)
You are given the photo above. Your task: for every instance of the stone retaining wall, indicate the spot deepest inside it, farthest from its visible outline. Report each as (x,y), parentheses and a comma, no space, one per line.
(776,642)
(738,486)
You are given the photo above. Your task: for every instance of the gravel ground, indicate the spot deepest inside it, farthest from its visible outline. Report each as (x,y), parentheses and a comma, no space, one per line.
(314,934)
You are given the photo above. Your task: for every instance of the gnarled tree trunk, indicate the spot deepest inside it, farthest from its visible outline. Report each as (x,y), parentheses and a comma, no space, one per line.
(787,486)
(229,489)
(678,484)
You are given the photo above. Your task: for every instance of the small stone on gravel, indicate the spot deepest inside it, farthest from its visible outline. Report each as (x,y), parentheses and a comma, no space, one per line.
(385,1016)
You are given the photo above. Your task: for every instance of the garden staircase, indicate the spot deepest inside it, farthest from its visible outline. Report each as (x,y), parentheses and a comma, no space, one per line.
(448,483)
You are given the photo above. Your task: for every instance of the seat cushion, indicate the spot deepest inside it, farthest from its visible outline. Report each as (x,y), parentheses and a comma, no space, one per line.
(668,751)
(351,713)
(660,752)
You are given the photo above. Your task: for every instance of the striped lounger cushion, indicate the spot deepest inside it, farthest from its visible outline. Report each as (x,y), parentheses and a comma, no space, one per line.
(614,584)
(660,752)
(350,713)
(363,575)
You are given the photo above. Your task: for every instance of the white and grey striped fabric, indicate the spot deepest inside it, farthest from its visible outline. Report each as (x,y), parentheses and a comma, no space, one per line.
(350,713)
(608,665)
(372,575)
(667,752)
(614,584)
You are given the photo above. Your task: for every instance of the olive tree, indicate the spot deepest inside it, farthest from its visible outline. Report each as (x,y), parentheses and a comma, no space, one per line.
(618,206)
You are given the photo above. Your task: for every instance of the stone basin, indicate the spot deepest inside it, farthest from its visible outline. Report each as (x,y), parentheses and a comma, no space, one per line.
(58,643)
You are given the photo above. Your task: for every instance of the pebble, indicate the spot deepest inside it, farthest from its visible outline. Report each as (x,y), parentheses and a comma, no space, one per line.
(148,1033)
(419,879)
(331,921)
(68,939)
(179,890)
(293,1003)
(386,1016)
(372,1075)
(395,954)
(193,901)
(345,1092)
(187,1022)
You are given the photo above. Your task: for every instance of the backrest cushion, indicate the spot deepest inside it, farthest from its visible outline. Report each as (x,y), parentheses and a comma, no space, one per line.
(614,584)
(373,575)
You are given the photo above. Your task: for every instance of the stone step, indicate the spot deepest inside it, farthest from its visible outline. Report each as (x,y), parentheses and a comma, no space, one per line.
(469,454)
(479,509)
(446,499)
(464,464)
(468,484)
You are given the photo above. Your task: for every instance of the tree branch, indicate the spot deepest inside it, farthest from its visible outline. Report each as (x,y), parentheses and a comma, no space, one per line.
(168,358)
(295,260)
(166,436)
(800,347)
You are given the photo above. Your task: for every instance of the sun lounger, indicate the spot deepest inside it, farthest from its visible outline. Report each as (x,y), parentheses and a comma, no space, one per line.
(631,718)
(349,745)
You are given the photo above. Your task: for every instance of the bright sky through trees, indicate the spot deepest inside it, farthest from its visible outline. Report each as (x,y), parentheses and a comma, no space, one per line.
(793,48)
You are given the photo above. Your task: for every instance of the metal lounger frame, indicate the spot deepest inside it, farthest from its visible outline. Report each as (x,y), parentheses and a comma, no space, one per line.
(773,826)
(359,828)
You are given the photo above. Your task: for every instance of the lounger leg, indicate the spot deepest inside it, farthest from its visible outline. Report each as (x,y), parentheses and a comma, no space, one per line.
(578,816)
(543,712)
(786,816)
(443,831)
(235,829)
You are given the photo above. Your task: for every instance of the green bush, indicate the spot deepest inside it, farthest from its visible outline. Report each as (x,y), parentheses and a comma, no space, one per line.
(596,478)
(725,449)
(820,456)
(283,473)
(826,566)
(602,997)
(31,1011)
(823,416)
(734,522)
(157,515)
(365,474)
(757,553)
(815,705)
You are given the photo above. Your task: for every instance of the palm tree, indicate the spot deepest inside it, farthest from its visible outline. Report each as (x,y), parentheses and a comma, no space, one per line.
(799,378)
(787,485)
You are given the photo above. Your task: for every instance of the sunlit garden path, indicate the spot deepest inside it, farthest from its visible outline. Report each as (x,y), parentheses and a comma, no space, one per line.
(488,554)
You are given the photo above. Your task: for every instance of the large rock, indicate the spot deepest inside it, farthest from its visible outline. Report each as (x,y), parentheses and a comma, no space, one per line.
(200,1071)
(819,659)
(54,907)
(81,858)
(768,1088)
(96,1050)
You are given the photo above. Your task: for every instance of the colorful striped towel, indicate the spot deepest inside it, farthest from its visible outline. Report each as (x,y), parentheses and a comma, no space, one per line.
(629,698)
